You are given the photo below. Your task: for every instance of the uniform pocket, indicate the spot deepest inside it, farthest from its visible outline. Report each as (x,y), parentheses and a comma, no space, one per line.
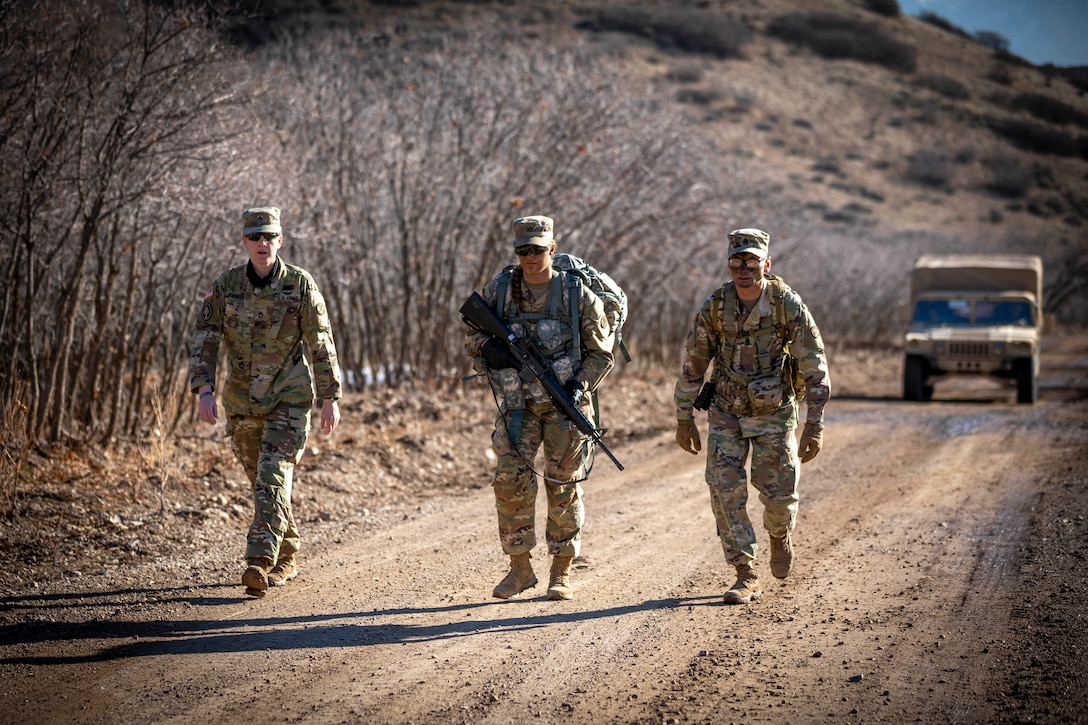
(550,335)
(765,395)
(284,321)
(509,386)
(564,369)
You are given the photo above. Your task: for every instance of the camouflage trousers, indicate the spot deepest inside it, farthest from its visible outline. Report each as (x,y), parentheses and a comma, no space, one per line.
(268,448)
(775,469)
(515,485)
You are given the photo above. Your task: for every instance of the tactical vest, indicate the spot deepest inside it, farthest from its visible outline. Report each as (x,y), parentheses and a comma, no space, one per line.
(556,331)
(564,311)
(775,382)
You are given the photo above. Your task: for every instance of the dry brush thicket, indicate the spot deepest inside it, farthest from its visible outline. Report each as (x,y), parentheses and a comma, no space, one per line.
(133,138)
(133,135)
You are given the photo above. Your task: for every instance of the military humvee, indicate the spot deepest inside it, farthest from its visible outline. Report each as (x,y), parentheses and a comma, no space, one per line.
(974,315)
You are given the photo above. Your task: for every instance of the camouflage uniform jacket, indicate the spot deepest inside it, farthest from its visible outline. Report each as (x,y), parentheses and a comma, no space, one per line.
(752,376)
(547,322)
(267,331)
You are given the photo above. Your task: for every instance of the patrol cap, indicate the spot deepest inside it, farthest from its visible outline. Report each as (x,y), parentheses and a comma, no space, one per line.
(535,230)
(754,241)
(261,219)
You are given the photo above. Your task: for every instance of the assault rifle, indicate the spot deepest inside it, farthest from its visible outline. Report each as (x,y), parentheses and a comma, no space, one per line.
(531,365)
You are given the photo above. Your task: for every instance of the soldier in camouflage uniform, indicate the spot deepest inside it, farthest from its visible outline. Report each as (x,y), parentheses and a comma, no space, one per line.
(272,319)
(746,328)
(540,303)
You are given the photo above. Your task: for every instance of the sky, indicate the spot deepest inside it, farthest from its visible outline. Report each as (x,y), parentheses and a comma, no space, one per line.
(1042,31)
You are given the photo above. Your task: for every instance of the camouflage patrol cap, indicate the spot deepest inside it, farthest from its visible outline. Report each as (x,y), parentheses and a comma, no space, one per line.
(754,241)
(261,219)
(535,230)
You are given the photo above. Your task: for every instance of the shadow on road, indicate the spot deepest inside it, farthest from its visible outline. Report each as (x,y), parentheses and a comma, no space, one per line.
(179,637)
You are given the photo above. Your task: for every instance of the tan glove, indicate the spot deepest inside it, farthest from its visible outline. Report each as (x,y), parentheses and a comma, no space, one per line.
(812,440)
(687,436)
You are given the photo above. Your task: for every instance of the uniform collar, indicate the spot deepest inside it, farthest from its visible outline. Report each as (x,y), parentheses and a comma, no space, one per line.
(259,282)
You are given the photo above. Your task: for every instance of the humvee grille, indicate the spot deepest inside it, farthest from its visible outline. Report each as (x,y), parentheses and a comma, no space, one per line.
(969,349)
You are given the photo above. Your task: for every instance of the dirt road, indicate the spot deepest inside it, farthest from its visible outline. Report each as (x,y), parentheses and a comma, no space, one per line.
(942,576)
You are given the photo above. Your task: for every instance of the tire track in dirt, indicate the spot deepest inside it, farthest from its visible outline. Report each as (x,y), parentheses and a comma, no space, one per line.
(900,607)
(902,585)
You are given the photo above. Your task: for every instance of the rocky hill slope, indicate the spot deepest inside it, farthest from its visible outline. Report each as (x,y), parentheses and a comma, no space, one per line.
(861,125)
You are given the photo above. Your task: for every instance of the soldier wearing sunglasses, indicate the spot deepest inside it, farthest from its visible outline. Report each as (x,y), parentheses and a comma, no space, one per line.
(767,355)
(272,319)
(567,322)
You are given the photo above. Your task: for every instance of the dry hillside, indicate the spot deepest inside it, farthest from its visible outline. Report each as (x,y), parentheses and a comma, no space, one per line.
(864,148)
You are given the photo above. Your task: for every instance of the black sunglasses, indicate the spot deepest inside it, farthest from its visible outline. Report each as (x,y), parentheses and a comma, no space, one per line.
(529,251)
(256,237)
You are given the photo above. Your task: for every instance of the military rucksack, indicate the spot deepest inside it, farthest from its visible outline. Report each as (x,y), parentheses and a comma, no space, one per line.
(602,285)
(611,294)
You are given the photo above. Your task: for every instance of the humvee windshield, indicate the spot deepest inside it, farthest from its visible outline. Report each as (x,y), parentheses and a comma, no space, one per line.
(963,313)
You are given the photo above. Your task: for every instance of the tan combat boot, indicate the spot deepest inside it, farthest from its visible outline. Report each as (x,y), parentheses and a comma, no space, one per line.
(747,589)
(559,587)
(284,571)
(781,556)
(518,579)
(255,576)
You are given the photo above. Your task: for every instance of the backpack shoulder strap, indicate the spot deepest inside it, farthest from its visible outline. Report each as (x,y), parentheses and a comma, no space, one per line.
(792,374)
(573,284)
(502,290)
(724,298)
(778,298)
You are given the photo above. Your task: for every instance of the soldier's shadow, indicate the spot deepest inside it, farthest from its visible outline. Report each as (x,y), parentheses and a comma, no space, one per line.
(348,629)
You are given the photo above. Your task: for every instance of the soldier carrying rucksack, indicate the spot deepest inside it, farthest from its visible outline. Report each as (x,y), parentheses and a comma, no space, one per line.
(568,325)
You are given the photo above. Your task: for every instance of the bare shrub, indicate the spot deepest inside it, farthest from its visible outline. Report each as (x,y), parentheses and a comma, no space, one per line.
(1065,282)
(158,449)
(887,8)
(838,36)
(947,87)
(1078,205)
(1077,77)
(1011,59)
(828,165)
(930,168)
(992,40)
(858,190)
(1008,177)
(15,443)
(115,119)
(1036,137)
(685,74)
(1048,109)
(964,156)
(744,100)
(698,96)
(939,22)
(412,165)
(869,316)
(687,29)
